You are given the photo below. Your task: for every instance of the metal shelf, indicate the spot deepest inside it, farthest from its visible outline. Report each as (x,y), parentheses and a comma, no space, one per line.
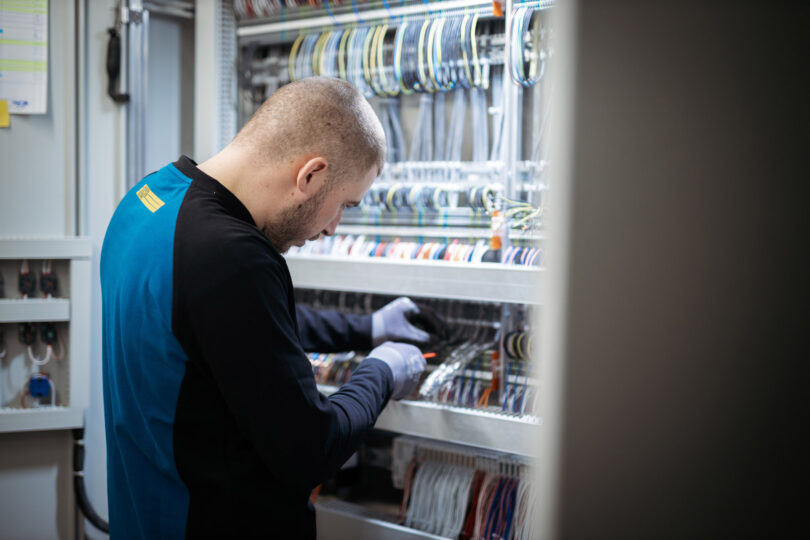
(453,217)
(486,282)
(514,435)
(34,310)
(41,418)
(337,520)
(423,232)
(276,24)
(45,248)
(432,232)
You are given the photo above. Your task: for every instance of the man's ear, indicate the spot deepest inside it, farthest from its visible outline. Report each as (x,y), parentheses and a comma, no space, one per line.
(312,175)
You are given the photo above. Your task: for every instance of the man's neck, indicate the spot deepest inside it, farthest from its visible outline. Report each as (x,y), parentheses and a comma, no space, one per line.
(228,169)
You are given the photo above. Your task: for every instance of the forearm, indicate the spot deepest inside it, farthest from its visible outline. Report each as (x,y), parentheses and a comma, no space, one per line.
(331,331)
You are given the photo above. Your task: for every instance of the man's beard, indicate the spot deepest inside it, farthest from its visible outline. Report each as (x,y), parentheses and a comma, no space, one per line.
(289,226)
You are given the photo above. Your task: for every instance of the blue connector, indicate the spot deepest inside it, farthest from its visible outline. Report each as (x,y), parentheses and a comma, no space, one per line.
(39,386)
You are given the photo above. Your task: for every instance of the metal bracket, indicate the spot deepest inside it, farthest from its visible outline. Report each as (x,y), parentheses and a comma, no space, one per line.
(129,15)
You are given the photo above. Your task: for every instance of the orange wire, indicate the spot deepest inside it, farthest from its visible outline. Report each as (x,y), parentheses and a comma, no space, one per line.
(484,401)
(315,492)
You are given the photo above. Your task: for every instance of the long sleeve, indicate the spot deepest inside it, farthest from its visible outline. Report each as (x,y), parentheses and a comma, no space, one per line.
(332,331)
(250,345)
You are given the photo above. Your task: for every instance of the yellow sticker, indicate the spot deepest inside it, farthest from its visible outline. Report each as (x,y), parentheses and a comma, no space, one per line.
(149,199)
(4,121)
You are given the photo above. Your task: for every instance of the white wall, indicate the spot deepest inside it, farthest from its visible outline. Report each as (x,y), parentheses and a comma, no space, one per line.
(37,198)
(102,168)
(36,485)
(170,107)
(39,157)
(37,153)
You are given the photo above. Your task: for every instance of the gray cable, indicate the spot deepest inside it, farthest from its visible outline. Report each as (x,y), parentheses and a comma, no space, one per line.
(439,108)
(498,117)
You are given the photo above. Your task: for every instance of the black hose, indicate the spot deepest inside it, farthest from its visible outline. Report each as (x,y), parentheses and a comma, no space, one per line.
(78,484)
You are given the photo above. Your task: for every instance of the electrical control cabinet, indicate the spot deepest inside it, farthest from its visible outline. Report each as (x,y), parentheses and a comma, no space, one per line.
(455,221)
(44,333)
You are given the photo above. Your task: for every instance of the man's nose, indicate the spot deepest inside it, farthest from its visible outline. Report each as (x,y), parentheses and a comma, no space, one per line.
(330,228)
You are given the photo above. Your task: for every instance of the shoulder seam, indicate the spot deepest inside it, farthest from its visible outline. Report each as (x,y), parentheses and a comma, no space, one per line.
(177,173)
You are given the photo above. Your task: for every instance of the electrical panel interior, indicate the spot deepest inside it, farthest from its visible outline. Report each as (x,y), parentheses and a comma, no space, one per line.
(44,333)
(463,92)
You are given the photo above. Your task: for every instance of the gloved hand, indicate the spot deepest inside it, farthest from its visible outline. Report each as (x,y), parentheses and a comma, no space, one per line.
(391,323)
(406,364)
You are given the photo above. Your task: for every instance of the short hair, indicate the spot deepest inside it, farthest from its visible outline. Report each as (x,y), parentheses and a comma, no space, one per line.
(316,116)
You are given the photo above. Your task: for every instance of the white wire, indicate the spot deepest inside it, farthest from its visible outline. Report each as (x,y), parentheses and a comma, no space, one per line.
(53,392)
(52,353)
(456,130)
(498,117)
(36,361)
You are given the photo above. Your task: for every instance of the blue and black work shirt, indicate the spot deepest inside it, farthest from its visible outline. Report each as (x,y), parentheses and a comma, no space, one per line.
(215,426)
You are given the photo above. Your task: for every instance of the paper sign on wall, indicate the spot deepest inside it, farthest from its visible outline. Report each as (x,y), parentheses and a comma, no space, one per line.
(24,55)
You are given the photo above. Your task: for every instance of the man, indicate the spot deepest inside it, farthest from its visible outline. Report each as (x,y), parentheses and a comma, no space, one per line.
(215,427)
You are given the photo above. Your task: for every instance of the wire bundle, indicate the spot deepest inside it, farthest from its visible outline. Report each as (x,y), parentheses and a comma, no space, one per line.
(250,9)
(522,215)
(496,505)
(462,493)
(430,196)
(330,368)
(361,246)
(430,55)
(519,397)
(523,255)
(439,384)
(466,385)
(388,112)
(526,71)
(439,498)
(454,251)
(464,390)
(518,345)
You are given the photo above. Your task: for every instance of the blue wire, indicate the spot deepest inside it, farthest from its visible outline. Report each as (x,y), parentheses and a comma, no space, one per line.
(470,398)
(515,384)
(493,509)
(506,387)
(329,10)
(510,509)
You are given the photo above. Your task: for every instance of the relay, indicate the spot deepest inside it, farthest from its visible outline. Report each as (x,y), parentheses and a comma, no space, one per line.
(28,334)
(28,283)
(48,283)
(47,333)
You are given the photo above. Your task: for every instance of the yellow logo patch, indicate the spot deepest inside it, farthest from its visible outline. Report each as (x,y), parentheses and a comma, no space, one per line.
(149,199)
